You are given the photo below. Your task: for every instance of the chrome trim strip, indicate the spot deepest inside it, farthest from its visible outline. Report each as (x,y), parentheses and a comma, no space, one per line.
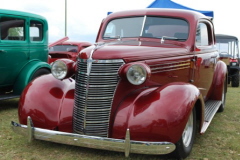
(99,98)
(170,69)
(101,60)
(143,24)
(165,67)
(172,66)
(171,63)
(98,85)
(121,145)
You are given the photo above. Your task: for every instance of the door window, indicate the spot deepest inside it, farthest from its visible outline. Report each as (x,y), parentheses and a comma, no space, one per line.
(202,38)
(36,31)
(12,29)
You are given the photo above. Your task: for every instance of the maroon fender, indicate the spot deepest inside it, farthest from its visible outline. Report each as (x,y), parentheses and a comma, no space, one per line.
(156,114)
(220,75)
(49,102)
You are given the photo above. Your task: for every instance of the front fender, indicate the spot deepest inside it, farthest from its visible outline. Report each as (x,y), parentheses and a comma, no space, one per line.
(156,114)
(25,76)
(49,102)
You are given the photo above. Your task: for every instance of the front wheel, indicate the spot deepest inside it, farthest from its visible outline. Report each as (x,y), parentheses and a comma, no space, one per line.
(185,144)
(40,72)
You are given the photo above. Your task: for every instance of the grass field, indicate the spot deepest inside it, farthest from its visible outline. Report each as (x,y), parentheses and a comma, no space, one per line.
(220,142)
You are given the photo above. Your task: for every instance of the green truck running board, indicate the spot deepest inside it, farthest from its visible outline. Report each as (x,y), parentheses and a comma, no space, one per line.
(8,96)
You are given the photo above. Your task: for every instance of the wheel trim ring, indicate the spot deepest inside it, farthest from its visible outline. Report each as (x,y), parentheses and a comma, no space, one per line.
(188,132)
(223,96)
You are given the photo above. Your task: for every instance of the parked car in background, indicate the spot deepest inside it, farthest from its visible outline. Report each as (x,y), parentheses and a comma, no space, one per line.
(149,84)
(66,49)
(228,47)
(23,51)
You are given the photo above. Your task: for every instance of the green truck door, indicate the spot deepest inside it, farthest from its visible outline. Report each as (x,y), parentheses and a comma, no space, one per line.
(38,45)
(14,49)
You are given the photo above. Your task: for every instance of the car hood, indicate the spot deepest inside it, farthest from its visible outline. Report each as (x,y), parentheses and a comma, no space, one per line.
(61,52)
(135,50)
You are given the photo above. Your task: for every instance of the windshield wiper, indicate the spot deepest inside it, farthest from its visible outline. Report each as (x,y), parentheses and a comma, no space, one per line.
(170,38)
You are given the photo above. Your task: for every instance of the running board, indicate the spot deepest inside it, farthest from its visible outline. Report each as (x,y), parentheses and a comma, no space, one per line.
(211,107)
(8,96)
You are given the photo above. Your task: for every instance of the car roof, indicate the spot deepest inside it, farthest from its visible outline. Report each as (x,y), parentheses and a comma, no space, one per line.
(20,13)
(181,13)
(224,36)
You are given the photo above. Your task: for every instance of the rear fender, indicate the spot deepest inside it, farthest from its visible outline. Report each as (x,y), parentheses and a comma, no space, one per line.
(156,114)
(220,76)
(49,102)
(25,76)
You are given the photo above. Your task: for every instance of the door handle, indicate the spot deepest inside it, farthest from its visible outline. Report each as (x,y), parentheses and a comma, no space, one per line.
(2,51)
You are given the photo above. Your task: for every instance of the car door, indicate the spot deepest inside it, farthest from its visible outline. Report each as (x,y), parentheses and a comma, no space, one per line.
(206,57)
(38,45)
(14,49)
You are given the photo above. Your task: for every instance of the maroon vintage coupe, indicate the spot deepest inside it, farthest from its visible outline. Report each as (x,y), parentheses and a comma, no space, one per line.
(149,84)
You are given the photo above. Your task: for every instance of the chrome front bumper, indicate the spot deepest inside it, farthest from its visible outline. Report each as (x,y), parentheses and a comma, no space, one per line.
(121,145)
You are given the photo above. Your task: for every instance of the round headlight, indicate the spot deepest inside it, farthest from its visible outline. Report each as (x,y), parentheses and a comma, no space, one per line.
(59,69)
(136,74)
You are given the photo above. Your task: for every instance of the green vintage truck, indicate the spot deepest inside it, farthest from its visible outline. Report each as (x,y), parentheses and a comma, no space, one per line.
(23,51)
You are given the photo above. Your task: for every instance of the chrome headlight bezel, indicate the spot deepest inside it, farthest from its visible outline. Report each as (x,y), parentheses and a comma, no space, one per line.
(136,74)
(59,69)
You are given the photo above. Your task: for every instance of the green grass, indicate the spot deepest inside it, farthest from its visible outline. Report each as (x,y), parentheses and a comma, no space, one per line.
(220,142)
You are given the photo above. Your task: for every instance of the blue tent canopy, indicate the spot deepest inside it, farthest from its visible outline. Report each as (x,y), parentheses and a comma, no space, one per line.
(171,4)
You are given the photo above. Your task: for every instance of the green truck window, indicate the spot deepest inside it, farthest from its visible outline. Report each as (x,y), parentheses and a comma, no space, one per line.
(12,29)
(36,31)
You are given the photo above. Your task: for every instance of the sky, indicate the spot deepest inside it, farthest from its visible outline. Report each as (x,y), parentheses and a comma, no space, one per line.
(84,17)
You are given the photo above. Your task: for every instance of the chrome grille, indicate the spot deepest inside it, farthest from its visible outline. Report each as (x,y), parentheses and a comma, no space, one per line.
(96,81)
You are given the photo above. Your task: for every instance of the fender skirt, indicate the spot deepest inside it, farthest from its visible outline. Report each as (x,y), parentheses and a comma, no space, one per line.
(49,102)
(156,114)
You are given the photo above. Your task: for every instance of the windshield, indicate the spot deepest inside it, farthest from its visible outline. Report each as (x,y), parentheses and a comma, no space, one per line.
(64,48)
(146,26)
(228,47)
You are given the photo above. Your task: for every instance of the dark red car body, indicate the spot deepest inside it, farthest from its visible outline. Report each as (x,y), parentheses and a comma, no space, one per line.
(182,77)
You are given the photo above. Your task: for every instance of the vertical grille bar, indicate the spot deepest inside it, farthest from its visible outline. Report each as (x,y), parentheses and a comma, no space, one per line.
(93,95)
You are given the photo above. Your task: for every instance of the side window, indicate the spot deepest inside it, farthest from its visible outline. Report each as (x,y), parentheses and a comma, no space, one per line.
(36,31)
(202,38)
(12,29)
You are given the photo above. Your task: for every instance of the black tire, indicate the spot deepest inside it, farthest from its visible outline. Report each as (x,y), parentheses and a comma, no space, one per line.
(40,72)
(185,144)
(229,79)
(221,108)
(235,79)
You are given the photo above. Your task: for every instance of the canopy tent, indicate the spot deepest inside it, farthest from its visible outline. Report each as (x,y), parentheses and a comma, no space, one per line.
(171,4)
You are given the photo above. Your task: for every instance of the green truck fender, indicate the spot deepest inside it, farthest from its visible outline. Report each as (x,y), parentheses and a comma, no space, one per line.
(30,71)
